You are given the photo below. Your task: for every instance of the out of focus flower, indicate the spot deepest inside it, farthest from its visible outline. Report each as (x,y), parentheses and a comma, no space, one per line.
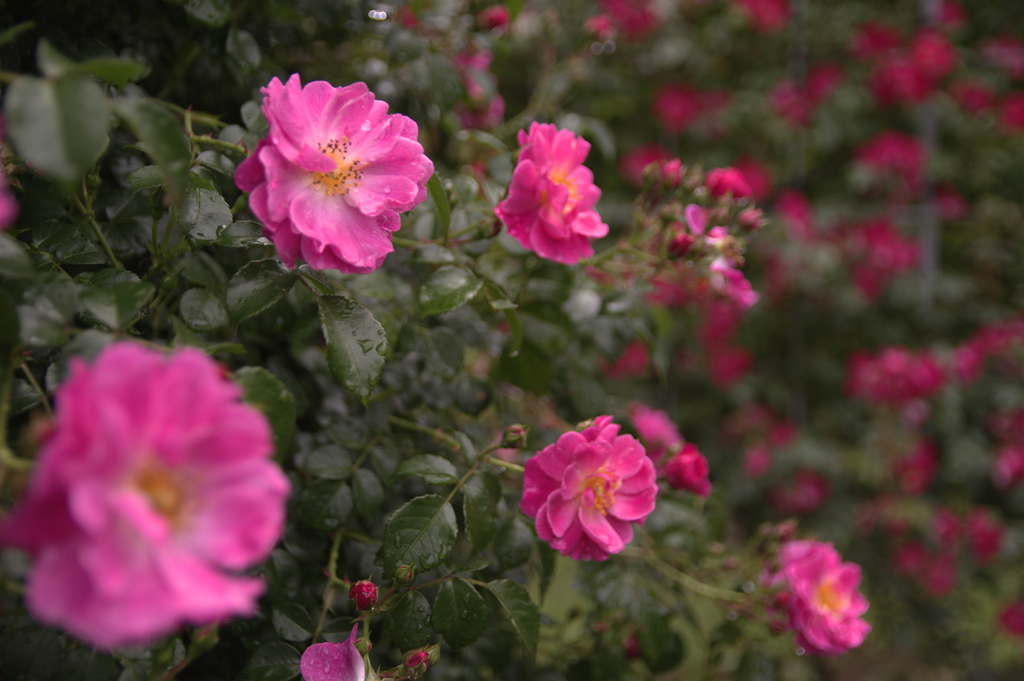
(333,174)
(497,17)
(910,559)
(730,282)
(939,575)
(824,607)
(1012,112)
(948,529)
(656,430)
(1011,618)
(894,377)
(633,162)
(676,107)
(727,181)
(333,661)
(483,108)
(984,533)
(875,40)
(1006,52)
(1008,468)
(587,489)
(797,103)
(634,362)
(899,81)
(766,16)
(696,218)
(973,96)
(796,212)
(932,55)
(8,206)
(600,26)
(951,205)
(550,204)
(154,488)
(687,469)
(952,15)
(727,364)
(895,155)
(757,460)
(915,472)
(877,254)
(635,18)
(758,177)
(806,491)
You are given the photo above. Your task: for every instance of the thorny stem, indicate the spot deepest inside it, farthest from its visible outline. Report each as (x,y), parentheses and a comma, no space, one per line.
(7,457)
(504,464)
(332,575)
(35,384)
(433,432)
(87,210)
(684,579)
(220,144)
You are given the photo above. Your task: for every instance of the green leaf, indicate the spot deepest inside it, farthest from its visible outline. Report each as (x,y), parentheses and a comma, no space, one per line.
(330,462)
(529,368)
(356,345)
(58,126)
(478,511)
(51,62)
(274,661)
(293,622)
(202,310)
(257,286)
(117,304)
(326,504)
(420,533)
(662,648)
(369,493)
(145,177)
(203,214)
(65,243)
(243,49)
(117,71)
(164,138)
(239,234)
(14,261)
(446,289)
(266,392)
(520,610)
(409,621)
(548,560)
(11,34)
(500,301)
(460,613)
(756,666)
(433,254)
(440,198)
(434,470)
(513,544)
(213,13)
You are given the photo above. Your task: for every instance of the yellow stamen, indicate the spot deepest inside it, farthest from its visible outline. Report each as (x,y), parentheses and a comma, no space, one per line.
(343,178)
(828,598)
(164,491)
(603,487)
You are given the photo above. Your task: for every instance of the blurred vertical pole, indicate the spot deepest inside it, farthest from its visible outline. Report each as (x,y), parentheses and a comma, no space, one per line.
(797,179)
(929,236)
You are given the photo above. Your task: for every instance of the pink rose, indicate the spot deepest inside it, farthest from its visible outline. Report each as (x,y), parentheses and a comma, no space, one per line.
(153,490)
(984,535)
(676,107)
(723,181)
(688,469)
(656,430)
(494,17)
(767,16)
(587,489)
(914,473)
(333,661)
(875,40)
(824,607)
(550,204)
(1011,619)
(806,492)
(1008,468)
(333,174)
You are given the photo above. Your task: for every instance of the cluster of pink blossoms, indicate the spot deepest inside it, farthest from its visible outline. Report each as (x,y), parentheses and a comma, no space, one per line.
(896,159)
(154,487)
(550,204)
(333,174)
(587,489)
(895,376)
(819,597)
(678,107)
(681,462)
(796,102)
(876,253)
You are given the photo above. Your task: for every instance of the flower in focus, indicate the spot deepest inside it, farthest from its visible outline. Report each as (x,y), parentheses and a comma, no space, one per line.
(363,594)
(587,489)
(688,469)
(656,430)
(550,204)
(824,607)
(333,661)
(333,174)
(153,488)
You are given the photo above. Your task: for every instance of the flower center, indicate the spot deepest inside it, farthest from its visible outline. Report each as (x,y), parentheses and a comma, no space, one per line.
(164,491)
(343,178)
(829,599)
(599,490)
(560,177)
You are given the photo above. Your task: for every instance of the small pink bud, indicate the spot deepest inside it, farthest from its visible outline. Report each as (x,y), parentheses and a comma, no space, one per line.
(515,436)
(680,244)
(494,17)
(688,470)
(416,663)
(363,595)
(751,219)
(405,574)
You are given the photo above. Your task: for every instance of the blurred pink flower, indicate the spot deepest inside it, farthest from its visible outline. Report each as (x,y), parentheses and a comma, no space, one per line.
(910,559)
(939,575)
(1006,52)
(587,489)
(766,16)
(914,473)
(153,490)
(727,181)
(1011,618)
(757,175)
(898,80)
(984,533)
(894,377)
(696,218)
(333,174)
(494,17)
(728,364)
(549,208)
(635,18)
(952,15)
(895,154)
(875,40)
(806,491)
(333,661)
(656,430)
(687,469)
(676,107)
(632,363)
(757,460)
(973,96)
(797,213)
(633,162)
(729,281)
(824,607)
(8,206)
(1008,468)
(877,253)
(933,55)
(1012,112)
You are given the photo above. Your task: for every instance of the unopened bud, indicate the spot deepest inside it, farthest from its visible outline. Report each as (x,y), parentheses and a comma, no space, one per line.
(672,172)
(405,574)
(363,595)
(681,242)
(515,436)
(363,645)
(786,530)
(434,650)
(416,663)
(631,648)
(751,219)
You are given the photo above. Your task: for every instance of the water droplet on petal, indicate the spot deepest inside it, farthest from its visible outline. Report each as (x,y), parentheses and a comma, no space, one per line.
(365,126)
